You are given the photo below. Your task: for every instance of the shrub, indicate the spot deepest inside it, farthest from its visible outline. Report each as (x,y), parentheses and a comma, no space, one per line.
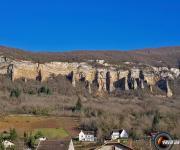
(32,110)
(156,121)
(15,93)
(38,135)
(31,92)
(133,134)
(2,146)
(1,140)
(11,148)
(25,137)
(12,134)
(44,90)
(39,111)
(31,142)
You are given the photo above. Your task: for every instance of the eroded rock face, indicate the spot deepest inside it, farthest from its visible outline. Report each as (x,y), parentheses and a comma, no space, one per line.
(108,78)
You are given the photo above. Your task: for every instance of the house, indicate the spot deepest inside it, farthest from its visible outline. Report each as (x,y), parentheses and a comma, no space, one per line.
(113,146)
(42,139)
(117,134)
(8,144)
(55,145)
(87,136)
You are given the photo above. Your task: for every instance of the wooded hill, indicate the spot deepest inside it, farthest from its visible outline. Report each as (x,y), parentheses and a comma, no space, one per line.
(164,56)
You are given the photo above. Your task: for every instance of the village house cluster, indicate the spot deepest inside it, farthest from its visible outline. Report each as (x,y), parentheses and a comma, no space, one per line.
(89,136)
(111,143)
(84,137)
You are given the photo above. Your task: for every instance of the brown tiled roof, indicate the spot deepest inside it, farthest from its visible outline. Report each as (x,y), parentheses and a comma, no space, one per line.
(53,145)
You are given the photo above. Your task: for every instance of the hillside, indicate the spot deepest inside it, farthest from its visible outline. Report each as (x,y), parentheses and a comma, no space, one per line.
(134,90)
(165,56)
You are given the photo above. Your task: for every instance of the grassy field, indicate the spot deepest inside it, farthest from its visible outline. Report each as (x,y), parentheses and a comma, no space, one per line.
(53,133)
(51,127)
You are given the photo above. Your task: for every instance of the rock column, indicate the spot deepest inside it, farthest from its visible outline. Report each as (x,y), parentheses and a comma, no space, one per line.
(126,87)
(135,84)
(169,91)
(142,83)
(73,79)
(10,72)
(151,89)
(89,87)
(109,82)
(101,81)
(111,86)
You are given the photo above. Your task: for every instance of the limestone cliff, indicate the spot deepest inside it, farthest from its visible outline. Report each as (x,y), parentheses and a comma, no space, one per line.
(108,77)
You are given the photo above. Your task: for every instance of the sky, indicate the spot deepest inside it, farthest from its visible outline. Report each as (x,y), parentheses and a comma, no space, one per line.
(62,25)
